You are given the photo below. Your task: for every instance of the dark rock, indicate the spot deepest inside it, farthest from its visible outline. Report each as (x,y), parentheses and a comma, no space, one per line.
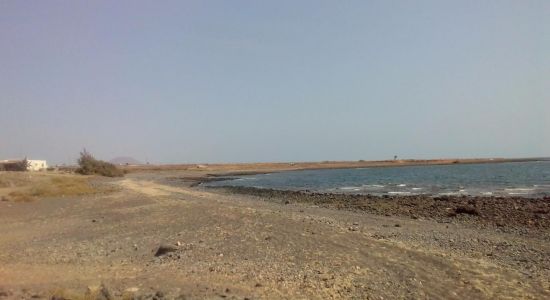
(467,209)
(163,249)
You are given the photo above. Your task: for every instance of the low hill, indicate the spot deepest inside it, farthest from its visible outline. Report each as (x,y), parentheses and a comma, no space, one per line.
(125,160)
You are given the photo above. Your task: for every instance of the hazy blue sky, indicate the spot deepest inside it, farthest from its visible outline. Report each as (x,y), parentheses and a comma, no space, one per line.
(215,81)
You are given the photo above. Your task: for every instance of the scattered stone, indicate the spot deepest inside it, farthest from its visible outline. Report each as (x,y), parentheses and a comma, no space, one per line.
(163,249)
(397,225)
(353,228)
(258,285)
(466,209)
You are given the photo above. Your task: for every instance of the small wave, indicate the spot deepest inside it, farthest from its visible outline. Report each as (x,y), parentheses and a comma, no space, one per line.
(246,178)
(350,188)
(519,189)
(402,185)
(399,193)
(416,189)
(518,193)
(373,186)
(487,193)
(449,194)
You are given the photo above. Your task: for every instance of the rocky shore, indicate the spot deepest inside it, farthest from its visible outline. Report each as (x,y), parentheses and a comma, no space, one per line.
(503,213)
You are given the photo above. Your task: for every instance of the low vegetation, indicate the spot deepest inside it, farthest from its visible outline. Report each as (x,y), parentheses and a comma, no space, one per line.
(89,165)
(19,166)
(25,187)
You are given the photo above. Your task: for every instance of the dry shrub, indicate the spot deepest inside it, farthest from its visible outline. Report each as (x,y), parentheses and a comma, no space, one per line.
(88,165)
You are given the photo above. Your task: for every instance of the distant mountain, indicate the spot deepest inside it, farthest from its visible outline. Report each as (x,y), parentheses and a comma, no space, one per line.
(124,160)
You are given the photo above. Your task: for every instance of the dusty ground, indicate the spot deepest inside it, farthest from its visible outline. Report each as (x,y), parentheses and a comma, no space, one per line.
(240,247)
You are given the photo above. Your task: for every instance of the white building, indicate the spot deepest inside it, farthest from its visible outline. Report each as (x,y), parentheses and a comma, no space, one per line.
(36,165)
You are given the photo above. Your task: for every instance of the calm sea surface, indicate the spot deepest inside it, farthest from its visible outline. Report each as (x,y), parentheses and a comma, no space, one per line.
(527,179)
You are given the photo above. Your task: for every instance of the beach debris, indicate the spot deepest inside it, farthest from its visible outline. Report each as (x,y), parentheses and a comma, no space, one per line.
(164,249)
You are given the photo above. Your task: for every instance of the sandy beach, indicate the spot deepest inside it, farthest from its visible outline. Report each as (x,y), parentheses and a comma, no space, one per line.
(218,243)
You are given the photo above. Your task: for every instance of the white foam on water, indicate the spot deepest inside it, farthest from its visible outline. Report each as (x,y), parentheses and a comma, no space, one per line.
(399,193)
(487,193)
(518,193)
(519,189)
(246,178)
(449,194)
(373,186)
(402,184)
(416,189)
(350,188)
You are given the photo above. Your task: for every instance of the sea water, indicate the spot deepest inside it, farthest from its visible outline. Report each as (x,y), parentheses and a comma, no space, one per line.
(524,179)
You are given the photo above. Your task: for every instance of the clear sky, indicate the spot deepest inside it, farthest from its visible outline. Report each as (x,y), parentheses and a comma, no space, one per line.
(246,81)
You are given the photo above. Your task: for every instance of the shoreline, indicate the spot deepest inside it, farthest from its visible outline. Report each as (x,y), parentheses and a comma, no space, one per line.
(291,245)
(498,212)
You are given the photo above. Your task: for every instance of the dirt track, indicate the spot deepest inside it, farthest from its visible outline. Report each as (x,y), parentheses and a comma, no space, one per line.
(234,246)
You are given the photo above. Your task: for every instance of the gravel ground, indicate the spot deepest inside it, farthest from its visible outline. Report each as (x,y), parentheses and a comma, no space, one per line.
(158,238)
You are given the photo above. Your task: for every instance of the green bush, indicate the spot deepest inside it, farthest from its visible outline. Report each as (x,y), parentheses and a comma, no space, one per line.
(88,165)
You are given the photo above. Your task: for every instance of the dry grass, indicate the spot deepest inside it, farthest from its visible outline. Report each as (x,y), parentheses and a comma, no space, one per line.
(14,179)
(25,187)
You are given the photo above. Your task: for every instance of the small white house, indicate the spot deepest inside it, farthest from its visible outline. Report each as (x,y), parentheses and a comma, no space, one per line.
(36,165)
